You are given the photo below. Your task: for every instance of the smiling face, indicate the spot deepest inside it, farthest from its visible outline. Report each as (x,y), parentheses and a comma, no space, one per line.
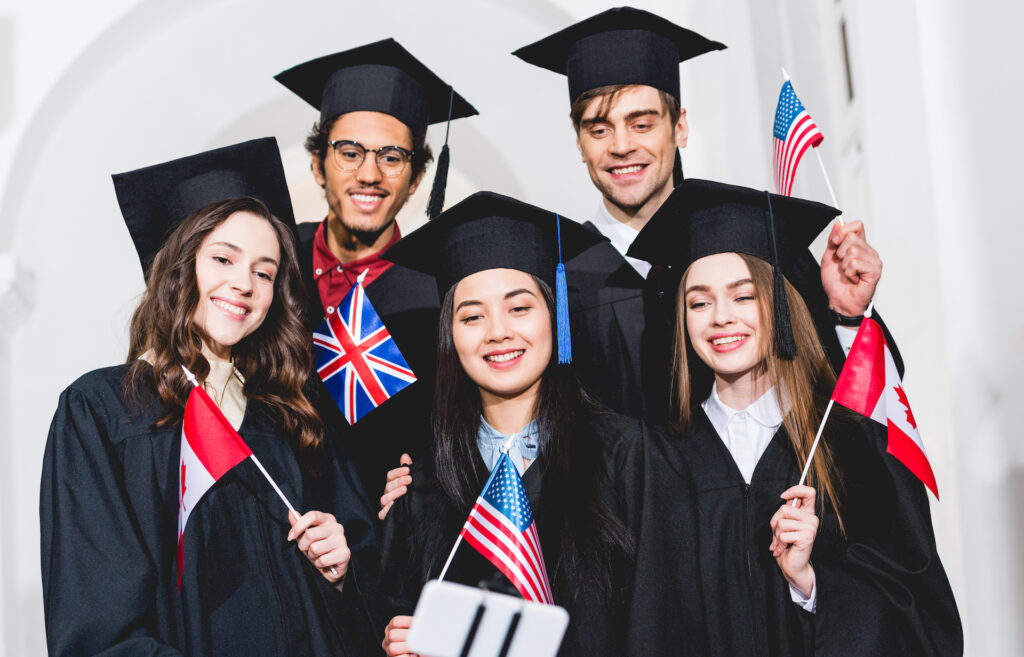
(236,265)
(501,328)
(629,150)
(365,200)
(724,318)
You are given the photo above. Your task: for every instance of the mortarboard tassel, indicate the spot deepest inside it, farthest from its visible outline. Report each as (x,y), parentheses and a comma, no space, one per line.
(562,303)
(677,170)
(785,345)
(436,203)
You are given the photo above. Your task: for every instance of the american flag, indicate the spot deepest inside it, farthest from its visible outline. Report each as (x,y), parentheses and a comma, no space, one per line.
(794,133)
(501,527)
(356,358)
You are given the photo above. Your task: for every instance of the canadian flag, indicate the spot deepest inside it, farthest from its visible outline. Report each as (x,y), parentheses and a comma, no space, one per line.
(210,447)
(870,385)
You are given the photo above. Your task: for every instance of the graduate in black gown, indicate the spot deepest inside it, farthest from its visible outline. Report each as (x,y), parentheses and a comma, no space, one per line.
(852,569)
(500,386)
(224,298)
(622,67)
(369,153)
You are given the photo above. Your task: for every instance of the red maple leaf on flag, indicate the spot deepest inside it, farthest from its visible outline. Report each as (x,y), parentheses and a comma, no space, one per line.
(903,400)
(182,495)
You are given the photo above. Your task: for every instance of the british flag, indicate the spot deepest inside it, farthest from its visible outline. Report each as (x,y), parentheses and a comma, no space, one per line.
(794,132)
(356,358)
(501,527)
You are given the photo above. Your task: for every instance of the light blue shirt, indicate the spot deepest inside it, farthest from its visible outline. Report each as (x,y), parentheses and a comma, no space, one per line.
(523,444)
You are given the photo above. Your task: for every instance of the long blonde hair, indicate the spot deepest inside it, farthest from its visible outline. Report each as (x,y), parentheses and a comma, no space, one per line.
(802,385)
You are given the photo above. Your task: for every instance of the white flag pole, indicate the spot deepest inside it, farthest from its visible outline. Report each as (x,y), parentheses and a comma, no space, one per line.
(821,163)
(450,557)
(828,409)
(277,489)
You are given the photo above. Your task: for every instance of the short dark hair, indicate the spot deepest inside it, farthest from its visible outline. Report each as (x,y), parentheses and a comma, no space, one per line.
(316,145)
(611,92)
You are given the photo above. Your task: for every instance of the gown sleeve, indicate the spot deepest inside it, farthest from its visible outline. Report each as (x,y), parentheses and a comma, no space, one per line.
(891,554)
(99,578)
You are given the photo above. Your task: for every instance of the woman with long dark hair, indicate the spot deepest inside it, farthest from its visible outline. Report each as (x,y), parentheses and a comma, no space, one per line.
(223,301)
(500,388)
(845,565)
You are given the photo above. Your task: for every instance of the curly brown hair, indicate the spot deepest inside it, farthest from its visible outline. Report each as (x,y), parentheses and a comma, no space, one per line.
(275,359)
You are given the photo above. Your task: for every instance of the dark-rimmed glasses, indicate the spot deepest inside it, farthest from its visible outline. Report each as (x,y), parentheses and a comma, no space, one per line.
(349,156)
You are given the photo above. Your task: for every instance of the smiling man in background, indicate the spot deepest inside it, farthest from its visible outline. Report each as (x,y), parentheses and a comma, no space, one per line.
(369,154)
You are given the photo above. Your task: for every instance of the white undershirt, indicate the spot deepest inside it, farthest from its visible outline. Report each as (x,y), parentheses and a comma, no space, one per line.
(620,235)
(746,434)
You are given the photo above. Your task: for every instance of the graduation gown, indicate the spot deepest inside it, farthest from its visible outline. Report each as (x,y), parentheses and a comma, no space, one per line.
(623,326)
(881,589)
(109,533)
(407,303)
(422,527)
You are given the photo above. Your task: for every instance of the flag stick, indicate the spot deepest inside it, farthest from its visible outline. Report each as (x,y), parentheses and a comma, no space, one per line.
(450,557)
(821,427)
(828,183)
(291,509)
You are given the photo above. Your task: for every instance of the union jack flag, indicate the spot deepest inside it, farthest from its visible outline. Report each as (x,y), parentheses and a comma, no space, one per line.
(501,527)
(356,358)
(794,132)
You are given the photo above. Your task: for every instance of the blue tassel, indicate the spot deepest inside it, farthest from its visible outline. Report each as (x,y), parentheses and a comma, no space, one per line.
(562,316)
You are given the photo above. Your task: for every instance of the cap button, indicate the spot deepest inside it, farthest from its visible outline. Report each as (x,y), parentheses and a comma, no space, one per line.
(330,309)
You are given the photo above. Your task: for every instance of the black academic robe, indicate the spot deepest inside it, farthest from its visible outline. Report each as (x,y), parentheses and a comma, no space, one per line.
(623,326)
(881,588)
(407,303)
(422,527)
(109,531)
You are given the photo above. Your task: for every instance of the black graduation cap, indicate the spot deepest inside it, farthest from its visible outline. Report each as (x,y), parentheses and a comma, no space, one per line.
(619,46)
(381,77)
(703,217)
(156,199)
(491,231)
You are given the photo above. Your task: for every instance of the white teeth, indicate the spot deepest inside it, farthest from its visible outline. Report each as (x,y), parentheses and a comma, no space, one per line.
(366,198)
(231,308)
(728,340)
(504,358)
(632,169)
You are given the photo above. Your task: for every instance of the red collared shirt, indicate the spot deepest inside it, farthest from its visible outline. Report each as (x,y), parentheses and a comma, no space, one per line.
(333,278)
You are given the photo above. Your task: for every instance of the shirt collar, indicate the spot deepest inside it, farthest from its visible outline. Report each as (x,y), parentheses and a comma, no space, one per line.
(324,259)
(764,410)
(523,444)
(620,235)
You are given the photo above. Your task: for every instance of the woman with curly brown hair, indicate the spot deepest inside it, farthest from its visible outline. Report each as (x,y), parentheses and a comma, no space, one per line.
(224,300)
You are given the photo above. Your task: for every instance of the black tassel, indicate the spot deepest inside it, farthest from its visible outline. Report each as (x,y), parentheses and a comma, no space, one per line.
(785,345)
(677,170)
(436,204)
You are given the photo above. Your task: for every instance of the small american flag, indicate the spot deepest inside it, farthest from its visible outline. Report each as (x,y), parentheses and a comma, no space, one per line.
(356,358)
(501,527)
(794,133)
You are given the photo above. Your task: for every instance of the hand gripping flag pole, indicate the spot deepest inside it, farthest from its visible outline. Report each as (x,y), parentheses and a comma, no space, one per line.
(215,444)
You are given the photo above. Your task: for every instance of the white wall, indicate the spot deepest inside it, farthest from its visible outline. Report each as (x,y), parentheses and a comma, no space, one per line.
(924,155)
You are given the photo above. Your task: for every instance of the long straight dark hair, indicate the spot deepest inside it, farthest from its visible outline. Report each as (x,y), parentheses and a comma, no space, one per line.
(593,540)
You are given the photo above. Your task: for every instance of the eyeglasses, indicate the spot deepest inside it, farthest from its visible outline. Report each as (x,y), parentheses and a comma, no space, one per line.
(349,156)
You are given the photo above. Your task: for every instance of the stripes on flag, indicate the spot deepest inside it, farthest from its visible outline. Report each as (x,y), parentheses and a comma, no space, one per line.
(501,527)
(793,133)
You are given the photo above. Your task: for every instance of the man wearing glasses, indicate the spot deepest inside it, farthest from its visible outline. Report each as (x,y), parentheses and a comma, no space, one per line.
(369,153)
